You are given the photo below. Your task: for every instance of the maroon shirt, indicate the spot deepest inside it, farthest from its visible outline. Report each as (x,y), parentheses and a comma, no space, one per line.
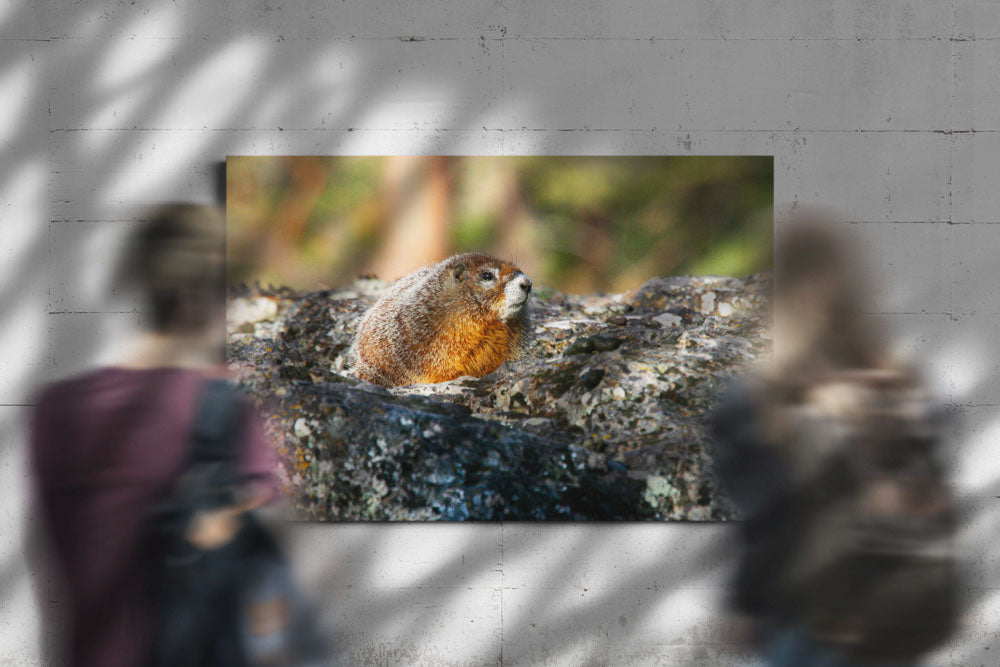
(106,448)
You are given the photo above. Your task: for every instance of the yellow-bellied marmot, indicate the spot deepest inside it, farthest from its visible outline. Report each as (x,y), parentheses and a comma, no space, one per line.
(463,316)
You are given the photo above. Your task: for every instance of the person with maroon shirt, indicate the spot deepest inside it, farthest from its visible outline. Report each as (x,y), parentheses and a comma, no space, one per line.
(109,445)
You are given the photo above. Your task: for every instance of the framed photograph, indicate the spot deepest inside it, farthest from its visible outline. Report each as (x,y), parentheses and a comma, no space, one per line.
(525,338)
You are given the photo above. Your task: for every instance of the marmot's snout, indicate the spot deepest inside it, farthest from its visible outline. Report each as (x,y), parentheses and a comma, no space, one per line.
(516,294)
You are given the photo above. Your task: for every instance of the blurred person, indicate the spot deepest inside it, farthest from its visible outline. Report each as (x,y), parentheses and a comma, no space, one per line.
(123,480)
(831,453)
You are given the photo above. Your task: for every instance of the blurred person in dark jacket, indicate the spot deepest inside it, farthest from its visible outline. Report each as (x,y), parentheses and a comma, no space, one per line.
(109,445)
(831,454)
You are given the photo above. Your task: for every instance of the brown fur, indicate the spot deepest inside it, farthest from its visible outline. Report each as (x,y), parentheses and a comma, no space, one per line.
(444,321)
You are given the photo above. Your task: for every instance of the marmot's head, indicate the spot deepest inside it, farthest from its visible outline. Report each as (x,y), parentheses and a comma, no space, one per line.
(493,284)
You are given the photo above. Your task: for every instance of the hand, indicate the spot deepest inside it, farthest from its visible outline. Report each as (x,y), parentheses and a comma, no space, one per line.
(212,529)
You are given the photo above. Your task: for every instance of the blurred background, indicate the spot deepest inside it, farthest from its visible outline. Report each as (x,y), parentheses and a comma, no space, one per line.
(885,110)
(577,224)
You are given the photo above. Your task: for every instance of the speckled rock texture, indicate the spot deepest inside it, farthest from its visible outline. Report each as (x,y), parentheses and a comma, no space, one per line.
(601,419)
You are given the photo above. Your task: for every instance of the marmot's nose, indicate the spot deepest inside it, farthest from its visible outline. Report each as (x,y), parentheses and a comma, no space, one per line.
(525,283)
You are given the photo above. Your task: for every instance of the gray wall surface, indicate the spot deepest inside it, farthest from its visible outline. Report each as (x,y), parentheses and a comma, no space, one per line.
(888,111)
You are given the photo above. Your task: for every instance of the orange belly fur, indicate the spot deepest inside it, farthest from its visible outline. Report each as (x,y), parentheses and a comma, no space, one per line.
(467,346)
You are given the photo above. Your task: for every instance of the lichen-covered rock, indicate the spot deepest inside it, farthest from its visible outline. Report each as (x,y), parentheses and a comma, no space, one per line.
(602,418)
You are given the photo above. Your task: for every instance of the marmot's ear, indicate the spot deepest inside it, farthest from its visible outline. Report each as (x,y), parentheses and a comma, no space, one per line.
(458,271)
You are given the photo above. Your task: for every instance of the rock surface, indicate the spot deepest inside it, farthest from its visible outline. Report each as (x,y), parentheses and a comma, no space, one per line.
(601,419)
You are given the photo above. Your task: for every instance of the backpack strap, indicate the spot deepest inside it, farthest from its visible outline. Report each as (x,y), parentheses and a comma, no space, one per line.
(214,434)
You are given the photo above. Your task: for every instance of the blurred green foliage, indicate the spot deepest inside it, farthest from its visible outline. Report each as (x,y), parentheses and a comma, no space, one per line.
(578,224)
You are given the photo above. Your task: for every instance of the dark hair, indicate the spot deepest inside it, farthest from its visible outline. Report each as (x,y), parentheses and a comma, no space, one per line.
(814,254)
(177,260)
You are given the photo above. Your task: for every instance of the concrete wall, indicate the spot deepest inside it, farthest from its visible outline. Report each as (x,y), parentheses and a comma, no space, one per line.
(888,111)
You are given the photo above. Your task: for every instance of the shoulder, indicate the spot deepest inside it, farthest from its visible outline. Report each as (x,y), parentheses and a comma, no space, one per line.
(64,393)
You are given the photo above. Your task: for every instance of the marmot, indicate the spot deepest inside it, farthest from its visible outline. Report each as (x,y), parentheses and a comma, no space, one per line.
(463,316)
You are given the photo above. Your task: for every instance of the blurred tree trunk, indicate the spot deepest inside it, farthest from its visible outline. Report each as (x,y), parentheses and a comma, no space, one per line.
(419,193)
(517,241)
(592,243)
(308,179)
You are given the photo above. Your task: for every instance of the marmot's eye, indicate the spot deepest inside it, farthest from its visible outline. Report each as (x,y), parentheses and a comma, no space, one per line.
(486,275)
